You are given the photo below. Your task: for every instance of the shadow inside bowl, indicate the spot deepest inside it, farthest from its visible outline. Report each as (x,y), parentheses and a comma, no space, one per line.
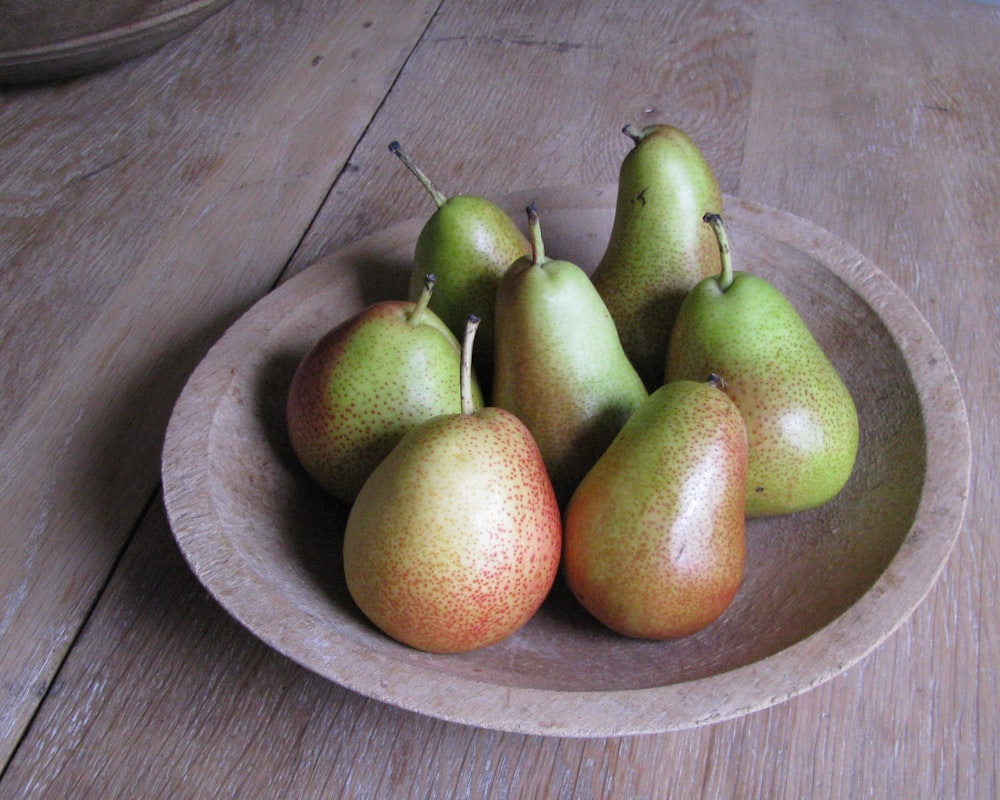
(802,572)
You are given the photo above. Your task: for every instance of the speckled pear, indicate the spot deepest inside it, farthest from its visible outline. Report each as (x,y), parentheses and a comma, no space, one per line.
(559,364)
(801,420)
(454,541)
(658,248)
(367,382)
(654,537)
(468,242)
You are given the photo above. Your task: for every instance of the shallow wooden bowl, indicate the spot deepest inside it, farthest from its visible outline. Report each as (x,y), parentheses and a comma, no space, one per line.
(821,588)
(41,41)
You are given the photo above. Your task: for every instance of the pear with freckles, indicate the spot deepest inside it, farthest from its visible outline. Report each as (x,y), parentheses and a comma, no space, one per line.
(560,366)
(365,383)
(455,538)
(801,419)
(654,535)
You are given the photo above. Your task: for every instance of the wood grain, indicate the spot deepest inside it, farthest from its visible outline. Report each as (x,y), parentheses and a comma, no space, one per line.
(166,217)
(877,120)
(682,62)
(915,196)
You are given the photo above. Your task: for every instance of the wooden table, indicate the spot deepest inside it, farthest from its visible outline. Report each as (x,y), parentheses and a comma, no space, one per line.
(145,207)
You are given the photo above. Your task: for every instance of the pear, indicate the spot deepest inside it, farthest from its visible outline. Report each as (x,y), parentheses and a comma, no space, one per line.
(455,538)
(559,364)
(365,383)
(468,242)
(801,420)
(654,539)
(658,248)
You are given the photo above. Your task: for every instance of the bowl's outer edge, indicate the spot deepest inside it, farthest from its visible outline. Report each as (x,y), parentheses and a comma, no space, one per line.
(66,58)
(779,677)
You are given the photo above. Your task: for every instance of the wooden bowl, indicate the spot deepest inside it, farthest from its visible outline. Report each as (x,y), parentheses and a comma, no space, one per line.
(41,41)
(821,588)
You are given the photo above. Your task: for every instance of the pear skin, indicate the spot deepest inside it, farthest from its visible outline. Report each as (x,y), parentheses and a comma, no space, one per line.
(559,364)
(801,420)
(365,383)
(655,534)
(468,242)
(658,248)
(454,541)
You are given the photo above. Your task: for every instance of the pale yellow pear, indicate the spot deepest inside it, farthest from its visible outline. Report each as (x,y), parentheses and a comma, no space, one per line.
(559,364)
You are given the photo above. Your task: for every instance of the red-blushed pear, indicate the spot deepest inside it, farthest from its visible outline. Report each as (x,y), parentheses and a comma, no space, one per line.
(560,367)
(468,242)
(801,420)
(658,248)
(654,538)
(365,384)
(454,540)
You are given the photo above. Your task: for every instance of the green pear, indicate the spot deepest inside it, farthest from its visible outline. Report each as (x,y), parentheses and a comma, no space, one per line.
(455,538)
(801,420)
(654,539)
(468,242)
(365,383)
(559,364)
(658,248)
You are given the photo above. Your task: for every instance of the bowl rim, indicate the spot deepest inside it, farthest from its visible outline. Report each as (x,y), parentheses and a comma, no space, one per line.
(62,58)
(843,642)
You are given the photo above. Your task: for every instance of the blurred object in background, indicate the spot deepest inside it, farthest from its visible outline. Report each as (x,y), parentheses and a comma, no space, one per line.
(44,40)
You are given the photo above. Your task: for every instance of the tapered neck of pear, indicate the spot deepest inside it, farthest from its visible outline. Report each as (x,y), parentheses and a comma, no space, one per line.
(416,315)
(465,375)
(535,235)
(725,279)
(435,193)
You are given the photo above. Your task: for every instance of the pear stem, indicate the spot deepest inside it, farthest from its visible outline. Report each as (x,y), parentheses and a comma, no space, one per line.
(725,279)
(439,198)
(716,380)
(465,376)
(535,229)
(425,297)
(633,133)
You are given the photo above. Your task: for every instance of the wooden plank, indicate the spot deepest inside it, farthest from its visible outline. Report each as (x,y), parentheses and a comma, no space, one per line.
(898,142)
(542,97)
(349,738)
(135,228)
(165,696)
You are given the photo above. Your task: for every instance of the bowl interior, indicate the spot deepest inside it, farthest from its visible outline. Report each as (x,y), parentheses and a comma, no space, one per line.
(267,542)
(803,570)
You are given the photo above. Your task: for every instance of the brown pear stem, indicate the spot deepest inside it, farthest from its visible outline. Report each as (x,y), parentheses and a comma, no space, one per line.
(716,380)
(439,198)
(535,229)
(634,133)
(425,297)
(725,278)
(471,323)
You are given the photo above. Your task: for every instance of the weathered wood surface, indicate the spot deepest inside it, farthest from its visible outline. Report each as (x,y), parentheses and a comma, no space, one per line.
(142,209)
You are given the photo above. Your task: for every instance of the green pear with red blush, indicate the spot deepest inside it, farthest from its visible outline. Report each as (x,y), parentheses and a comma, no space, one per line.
(655,533)
(801,420)
(454,541)
(365,383)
